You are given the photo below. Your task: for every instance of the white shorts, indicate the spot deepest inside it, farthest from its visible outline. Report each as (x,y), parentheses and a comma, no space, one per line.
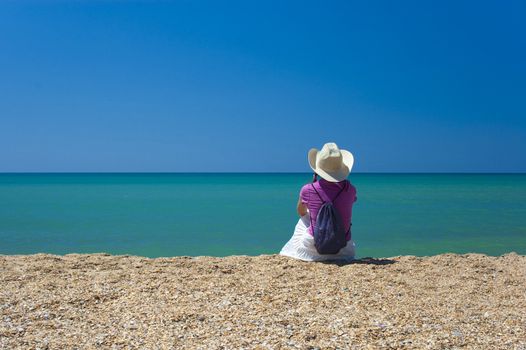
(301,245)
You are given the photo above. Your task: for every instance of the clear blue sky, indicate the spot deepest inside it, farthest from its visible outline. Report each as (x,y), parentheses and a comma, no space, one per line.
(252,85)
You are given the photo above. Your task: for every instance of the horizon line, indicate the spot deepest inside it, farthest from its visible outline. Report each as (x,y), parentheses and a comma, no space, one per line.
(255,172)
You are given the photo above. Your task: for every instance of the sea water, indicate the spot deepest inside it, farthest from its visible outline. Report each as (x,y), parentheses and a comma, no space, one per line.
(224,214)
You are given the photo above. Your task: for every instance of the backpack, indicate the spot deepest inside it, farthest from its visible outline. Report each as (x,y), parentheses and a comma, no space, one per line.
(329,232)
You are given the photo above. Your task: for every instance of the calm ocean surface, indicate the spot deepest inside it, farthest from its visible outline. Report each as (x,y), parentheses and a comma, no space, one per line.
(222,214)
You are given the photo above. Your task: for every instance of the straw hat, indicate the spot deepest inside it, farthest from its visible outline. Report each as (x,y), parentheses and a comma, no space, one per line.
(331,163)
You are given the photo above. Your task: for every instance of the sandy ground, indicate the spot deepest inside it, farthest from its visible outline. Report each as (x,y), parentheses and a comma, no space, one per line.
(265,302)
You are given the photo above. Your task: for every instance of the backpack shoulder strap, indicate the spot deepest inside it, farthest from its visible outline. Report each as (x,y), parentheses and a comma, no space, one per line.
(318,193)
(328,199)
(341,190)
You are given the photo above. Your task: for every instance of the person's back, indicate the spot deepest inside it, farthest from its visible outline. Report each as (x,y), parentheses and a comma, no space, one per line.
(344,192)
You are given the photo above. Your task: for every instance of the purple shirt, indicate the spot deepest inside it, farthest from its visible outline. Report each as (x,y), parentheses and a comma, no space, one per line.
(343,203)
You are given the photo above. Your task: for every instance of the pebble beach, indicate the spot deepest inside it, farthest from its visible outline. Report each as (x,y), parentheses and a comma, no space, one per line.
(100,301)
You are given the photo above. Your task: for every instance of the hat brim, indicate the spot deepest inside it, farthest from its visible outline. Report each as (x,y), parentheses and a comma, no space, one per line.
(333,176)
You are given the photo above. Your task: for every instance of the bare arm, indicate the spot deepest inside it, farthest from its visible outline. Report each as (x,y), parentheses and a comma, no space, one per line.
(301,208)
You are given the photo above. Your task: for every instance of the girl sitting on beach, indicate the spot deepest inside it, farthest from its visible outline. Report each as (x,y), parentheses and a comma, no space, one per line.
(333,166)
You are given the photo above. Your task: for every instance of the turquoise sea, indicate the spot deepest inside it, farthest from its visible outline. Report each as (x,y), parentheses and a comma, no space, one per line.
(223,214)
